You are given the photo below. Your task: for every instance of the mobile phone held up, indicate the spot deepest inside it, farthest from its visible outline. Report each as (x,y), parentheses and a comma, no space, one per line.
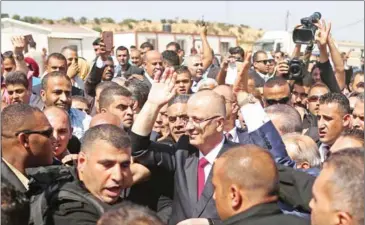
(108,40)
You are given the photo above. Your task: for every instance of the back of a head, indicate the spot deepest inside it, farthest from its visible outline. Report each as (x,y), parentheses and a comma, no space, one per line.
(15,117)
(171,58)
(17,78)
(301,149)
(275,81)
(337,98)
(105,118)
(226,91)
(285,118)
(109,133)
(261,181)
(347,182)
(175,44)
(107,95)
(104,85)
(146,45)
(138,89)
(130,214)
(207,84)
(15,208)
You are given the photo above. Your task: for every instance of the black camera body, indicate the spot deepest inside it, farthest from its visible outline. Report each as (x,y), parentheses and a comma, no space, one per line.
(296,68)
(306,34)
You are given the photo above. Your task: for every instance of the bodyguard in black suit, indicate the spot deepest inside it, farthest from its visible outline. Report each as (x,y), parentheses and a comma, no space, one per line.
(251,199)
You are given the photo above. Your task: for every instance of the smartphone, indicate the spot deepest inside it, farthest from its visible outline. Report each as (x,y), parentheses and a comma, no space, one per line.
(108,40)
(28,39)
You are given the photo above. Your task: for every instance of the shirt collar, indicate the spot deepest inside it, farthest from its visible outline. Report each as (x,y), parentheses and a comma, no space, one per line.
(149,78)
(22,178)
(212,155)
(264,76)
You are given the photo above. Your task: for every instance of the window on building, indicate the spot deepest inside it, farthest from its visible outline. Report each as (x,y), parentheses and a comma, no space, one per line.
(152,41)
(224,48)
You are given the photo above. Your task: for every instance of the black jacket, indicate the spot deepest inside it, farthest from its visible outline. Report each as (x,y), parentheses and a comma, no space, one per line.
(264,214)
(130,70)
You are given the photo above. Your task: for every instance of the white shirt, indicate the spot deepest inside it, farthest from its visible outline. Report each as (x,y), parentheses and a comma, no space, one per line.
(254,116)
(210,157)
(323,149)
(266,77)
(233,132)
(78,82)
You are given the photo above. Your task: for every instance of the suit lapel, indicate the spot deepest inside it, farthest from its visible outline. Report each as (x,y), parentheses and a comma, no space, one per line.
(9,175)
(191,166)
(208,188)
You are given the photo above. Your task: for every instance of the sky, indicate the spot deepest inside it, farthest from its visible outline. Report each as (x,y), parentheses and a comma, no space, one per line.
(347,17)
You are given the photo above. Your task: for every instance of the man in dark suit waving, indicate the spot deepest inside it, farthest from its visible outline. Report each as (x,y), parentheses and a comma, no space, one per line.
(189,161)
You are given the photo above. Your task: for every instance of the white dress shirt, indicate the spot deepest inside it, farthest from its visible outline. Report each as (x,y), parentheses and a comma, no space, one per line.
(234,135)
(323,149)
(210,157)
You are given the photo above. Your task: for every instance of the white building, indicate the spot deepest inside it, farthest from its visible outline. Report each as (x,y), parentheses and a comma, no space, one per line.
(219,43)
(51,37)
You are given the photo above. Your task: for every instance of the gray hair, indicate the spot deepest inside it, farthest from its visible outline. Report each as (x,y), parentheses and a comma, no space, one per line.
(302,149)
(112,134)
(179,99)
(347,182)
(289,118)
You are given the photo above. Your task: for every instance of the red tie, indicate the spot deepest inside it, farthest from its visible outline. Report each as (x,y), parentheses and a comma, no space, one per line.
(201,175)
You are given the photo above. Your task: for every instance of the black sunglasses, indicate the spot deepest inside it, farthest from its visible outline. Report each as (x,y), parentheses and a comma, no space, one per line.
(47,133)
(314,98)
(277,101)
(265,61)
(360,85)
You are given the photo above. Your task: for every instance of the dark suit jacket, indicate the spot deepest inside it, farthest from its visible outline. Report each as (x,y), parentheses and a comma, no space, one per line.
(213,72)
(9,175)
(182,161)
(259,81)
(264,214)
(131,70)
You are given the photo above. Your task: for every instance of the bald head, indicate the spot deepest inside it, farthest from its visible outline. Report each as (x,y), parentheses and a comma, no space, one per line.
(153,54)
(209,102)
(56,112)
(262,181)
(105,118)
(225,91)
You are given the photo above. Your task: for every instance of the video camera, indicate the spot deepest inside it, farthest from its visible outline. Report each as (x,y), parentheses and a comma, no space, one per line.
(305,34)
(296,67)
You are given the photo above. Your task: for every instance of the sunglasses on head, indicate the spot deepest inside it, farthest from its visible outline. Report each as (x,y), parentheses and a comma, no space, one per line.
(277,101)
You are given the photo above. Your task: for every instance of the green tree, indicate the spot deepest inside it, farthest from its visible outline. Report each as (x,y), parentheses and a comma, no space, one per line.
(16,17)
(163,21)
(83,20)
(96,20)
(4,15)
(98,29)
(69,19)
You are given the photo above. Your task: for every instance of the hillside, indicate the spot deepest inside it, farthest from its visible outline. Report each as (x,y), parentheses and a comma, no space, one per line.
(245,34)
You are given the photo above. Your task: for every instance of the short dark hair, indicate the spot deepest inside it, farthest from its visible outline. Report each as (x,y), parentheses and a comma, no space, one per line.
(182,69)
(254,57)
(281,53)
(237,50)
(147,45)
(276,81)
(80,99)
(177,45)
(122,48)
(340,99)
(56,55)
(15,207)
(184,98)
(15,116)
(139,90)
(132,46)
(52,75)
(8,55)
(107,95)
(171,57)
(106,84)
(69,47)
(361,96)
(130,214)
(16,78)
(354,133)
(112,134)
(97,41)
(347,181)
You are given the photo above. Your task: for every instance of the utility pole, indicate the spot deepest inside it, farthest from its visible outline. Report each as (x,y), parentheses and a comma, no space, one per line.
(287,20)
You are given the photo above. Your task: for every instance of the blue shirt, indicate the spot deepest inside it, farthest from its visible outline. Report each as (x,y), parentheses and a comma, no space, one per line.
(80,122)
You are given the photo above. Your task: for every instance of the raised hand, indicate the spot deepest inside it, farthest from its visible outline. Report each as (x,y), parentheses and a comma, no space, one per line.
(323,33)
(242,78)
(203,30)
(73,70)
(18,44)
(162,89)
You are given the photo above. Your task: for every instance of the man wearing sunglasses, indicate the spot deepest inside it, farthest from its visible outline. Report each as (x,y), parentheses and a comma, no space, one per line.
(276,91)
(27,141)
(357,82)
(261,65)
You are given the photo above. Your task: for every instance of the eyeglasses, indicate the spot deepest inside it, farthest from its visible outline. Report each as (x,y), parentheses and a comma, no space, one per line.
(284,100)
(173,119)
(314,98)
(265,61)
(47,133)
(197,122)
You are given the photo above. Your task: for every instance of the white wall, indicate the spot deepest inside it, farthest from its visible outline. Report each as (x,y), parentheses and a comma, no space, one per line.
(142,37)
(56,44)
(163,40)
(87,48)
(124,39)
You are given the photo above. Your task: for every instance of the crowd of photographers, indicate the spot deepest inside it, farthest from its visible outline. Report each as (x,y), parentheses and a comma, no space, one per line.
(139,136)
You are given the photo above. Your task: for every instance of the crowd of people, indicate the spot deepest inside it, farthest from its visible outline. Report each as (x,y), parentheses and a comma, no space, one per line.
(139,136)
